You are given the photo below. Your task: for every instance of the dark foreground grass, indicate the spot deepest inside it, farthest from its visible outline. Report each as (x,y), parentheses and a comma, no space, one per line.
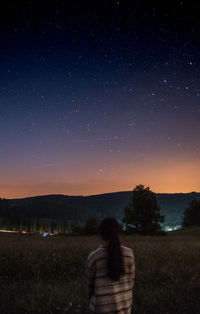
(46,275)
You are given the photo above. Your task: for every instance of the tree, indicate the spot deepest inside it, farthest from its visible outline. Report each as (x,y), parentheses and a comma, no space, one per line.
(192,214)
(143,212)
(77,229)
(91,226)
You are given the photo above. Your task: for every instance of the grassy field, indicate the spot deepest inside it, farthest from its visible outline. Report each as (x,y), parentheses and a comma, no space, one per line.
(46,275)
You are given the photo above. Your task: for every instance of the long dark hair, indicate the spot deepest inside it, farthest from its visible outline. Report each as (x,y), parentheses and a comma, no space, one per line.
(109,230)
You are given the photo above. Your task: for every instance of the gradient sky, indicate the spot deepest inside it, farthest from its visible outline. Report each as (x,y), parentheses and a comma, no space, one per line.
(98,97)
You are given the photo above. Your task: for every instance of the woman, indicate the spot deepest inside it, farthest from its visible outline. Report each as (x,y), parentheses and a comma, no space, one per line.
(110,271)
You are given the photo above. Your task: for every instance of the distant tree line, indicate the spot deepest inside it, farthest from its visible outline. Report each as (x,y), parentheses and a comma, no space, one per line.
(141,216)
(35,218)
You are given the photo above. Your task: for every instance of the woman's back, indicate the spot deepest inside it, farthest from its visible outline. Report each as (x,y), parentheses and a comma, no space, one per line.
(106,295)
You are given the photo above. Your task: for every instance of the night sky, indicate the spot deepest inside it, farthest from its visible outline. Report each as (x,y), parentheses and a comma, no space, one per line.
(98,96)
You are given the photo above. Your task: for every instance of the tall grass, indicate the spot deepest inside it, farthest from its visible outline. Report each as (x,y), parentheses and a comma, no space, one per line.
(46,275)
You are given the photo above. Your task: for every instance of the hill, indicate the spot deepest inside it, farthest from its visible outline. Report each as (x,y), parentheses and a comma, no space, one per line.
(81,207)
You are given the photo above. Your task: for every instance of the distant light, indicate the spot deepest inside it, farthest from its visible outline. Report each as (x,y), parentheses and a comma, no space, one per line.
(5,230)
(167,228)
(45,234)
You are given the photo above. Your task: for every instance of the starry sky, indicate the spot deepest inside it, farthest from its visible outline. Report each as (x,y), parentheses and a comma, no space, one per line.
(99,96)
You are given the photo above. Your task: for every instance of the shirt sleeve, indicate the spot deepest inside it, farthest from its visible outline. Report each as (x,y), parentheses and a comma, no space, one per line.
(133,269)
(90,275)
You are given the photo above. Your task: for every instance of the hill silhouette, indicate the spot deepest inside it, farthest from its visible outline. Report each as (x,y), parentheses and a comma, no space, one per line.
(111,204)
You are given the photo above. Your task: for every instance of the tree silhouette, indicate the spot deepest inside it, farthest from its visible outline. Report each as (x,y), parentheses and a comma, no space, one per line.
(91,225)
(192,214)
(143,212)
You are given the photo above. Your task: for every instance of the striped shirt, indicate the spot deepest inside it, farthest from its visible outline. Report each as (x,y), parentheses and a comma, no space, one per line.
(106,295)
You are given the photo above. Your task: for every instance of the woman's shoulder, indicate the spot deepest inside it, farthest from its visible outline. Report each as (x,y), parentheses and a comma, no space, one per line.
(98,253)
(127,251)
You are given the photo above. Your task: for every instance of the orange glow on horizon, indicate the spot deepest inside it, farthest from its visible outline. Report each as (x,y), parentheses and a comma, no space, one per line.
(162,175)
